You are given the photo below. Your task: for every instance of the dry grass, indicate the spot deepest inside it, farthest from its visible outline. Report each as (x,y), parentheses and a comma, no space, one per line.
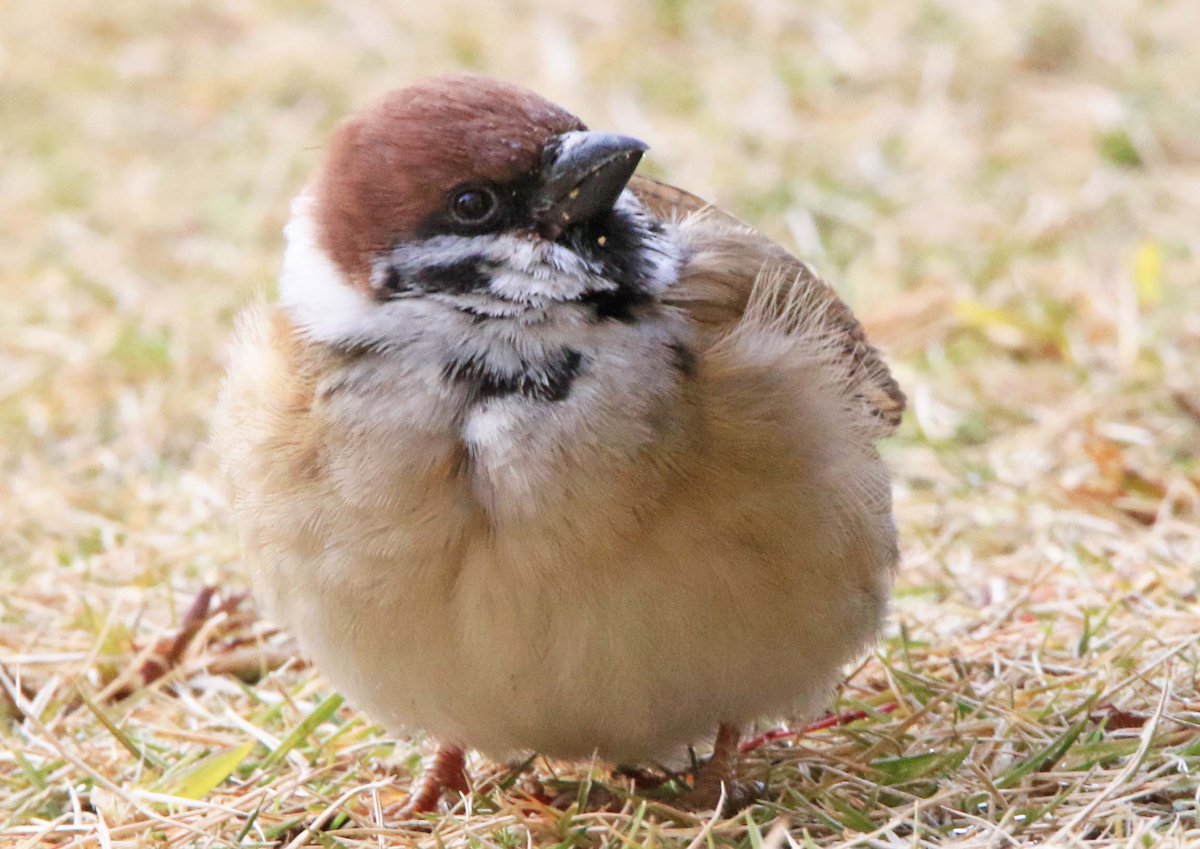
(1008,192)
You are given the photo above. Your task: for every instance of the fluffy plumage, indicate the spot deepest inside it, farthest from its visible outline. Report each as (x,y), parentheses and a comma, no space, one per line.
(578,502)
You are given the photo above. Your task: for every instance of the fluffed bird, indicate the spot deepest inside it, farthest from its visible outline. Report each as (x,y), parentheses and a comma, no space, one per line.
(536,455)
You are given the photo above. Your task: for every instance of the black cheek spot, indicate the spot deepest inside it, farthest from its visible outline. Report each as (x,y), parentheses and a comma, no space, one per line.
(459,278)
(393,282)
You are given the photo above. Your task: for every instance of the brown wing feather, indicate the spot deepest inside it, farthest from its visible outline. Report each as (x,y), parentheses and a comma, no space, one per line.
(737,256)
(666,201)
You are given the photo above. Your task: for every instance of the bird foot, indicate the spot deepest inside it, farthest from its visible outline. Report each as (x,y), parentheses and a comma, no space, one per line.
(717,783)
(447,772)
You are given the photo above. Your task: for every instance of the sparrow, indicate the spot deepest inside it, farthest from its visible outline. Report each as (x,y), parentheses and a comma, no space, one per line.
(536,455)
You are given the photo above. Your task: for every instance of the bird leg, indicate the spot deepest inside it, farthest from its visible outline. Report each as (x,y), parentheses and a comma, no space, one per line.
(446,772)
(719,774)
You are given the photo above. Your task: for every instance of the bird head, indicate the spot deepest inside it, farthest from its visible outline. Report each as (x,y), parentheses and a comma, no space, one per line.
(477,196)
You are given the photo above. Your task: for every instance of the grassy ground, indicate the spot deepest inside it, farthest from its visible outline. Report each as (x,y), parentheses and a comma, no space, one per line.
(1008,192)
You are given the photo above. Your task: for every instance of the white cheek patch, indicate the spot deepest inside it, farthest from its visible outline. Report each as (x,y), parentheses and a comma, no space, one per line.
(324,306)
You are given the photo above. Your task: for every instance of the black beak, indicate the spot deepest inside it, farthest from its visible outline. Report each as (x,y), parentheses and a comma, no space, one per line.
(583,174)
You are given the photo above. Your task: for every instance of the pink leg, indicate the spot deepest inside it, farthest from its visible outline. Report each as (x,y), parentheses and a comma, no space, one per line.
(446,772)
(721,771)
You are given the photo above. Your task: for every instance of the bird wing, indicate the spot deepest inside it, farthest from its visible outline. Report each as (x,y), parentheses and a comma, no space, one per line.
(736,266)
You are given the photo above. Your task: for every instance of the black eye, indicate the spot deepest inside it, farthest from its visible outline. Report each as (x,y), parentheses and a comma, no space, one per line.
(473,204)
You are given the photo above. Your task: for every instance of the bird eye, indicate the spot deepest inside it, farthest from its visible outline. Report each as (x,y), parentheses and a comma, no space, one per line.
(473,204)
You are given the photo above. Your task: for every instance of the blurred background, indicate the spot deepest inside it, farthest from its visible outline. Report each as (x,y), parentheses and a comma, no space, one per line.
(1007,192)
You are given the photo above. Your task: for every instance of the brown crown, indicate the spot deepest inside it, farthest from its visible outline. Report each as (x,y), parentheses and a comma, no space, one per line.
(392,166)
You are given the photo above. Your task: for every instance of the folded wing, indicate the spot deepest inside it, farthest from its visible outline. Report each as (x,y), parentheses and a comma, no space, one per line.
(744,276)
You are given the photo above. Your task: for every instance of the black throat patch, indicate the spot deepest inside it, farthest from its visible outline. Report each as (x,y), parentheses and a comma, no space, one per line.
(549,379)
(617,242)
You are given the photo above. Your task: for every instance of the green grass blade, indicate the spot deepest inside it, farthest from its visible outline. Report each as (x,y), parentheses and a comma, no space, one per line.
(121,737)
(1044,759)
(309,724)
(209,772)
